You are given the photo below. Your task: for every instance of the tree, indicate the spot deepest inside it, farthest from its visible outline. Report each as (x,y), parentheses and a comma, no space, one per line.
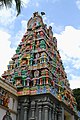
(8,4)
(76,93)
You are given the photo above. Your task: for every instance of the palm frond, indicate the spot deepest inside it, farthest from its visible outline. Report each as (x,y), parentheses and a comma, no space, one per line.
(18,6)
(8,4)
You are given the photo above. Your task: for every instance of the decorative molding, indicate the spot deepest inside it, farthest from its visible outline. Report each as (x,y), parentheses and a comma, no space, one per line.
(8,87)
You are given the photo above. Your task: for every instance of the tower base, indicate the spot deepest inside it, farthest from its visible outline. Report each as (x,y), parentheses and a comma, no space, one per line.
(43,107)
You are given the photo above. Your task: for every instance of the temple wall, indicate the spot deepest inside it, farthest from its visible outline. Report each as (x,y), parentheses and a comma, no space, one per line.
(3,112)
(8,100)
(13,103)
(42,107)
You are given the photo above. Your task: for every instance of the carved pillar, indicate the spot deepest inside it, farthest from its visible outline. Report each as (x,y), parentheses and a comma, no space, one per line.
(39,109)
(46,112)
(40,112)
(32,110)
(18,109)
(59,112)
(59,116)
(50,114)
(55,115)
(25,107)
(27,82)
(62,113)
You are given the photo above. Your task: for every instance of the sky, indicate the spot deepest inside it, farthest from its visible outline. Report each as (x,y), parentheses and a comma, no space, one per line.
(62,15)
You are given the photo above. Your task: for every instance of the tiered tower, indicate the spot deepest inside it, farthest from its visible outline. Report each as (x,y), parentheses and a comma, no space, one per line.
(37,71)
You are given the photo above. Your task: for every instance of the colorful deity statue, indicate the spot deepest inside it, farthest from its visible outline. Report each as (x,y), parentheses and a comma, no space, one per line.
(18,82)
(36,73)
(31,59)
(41,33)
(38,35)
(34,26)
(35,35)
(37,45)
(5,99)
(42,44)
(18,49)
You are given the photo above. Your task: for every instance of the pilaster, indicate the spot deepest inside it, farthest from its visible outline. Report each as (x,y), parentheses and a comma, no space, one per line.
(55,115)
(59,116)
(50,114)
(62,113)
(40,112)
(32,110)
(25,107)
(18,109)
(46,112)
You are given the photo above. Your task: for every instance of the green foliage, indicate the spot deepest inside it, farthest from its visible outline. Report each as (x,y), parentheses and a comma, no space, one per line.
(76,93)
(18,6)
(8,4)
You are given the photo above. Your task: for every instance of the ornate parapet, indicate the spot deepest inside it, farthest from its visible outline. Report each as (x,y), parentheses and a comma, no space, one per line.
(7,86)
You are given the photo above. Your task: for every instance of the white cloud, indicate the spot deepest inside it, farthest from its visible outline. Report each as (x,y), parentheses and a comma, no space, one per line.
(68,70)
(74,82)
(6,52)
(24,24)
(78,4)
(25,3)
(21,32)
(7,16)
(76,64)
(45,20)
(69,46)
(69,42)
(56,28)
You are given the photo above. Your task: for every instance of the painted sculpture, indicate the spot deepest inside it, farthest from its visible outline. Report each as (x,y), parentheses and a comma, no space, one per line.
(4,97)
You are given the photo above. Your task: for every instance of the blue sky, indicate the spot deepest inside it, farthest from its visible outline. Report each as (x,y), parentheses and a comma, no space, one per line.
(62,15)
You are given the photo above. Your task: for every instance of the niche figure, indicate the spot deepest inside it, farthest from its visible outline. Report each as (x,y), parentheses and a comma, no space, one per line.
(5,99)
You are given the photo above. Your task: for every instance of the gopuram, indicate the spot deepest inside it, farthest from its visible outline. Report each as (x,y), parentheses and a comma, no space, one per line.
(38,76)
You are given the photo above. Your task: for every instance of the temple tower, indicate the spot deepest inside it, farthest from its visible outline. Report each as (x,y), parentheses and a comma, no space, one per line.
(37,71)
